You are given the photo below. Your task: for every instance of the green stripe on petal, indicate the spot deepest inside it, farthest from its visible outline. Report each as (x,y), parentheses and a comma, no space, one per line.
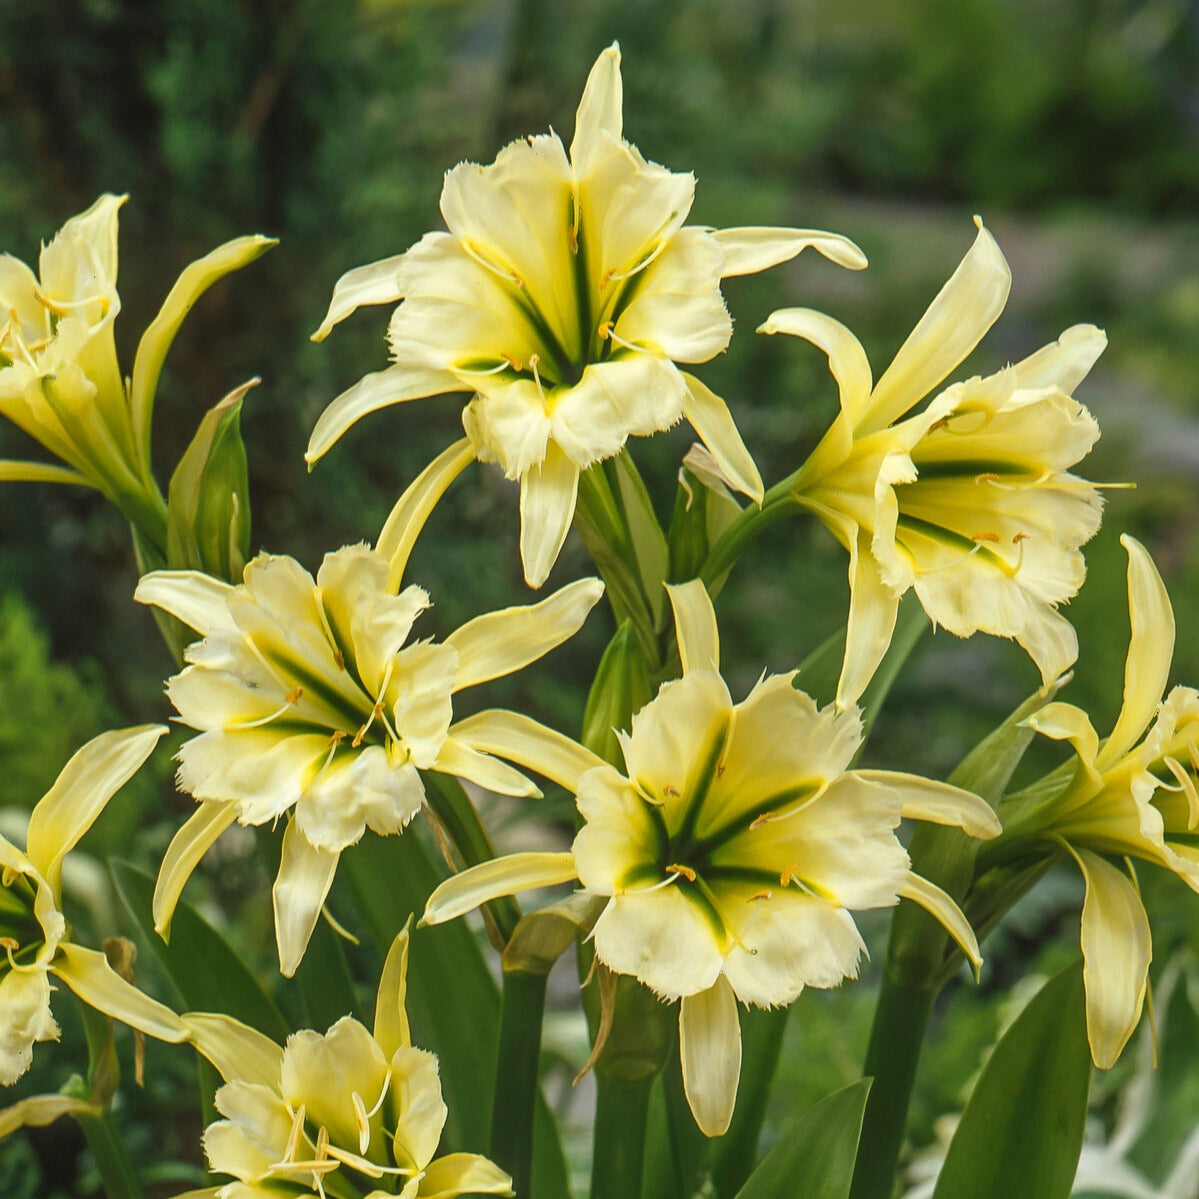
(187,847)
(947,913)
(523,740)
(492,880)
(695,626)
(710,1053)
(88,973)
(499,643)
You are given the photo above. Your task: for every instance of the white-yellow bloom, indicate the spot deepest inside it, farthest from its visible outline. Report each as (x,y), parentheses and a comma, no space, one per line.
(732,851)
(969,502)
(1132,796)
(33,930)
(352,1111)
(311,706)
(563,296)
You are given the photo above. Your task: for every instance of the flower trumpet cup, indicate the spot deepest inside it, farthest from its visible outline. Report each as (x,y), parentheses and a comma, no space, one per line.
(563,296)
(310,706)
(1131,796)
(969,502)
(35,934)
(732,852)
(351,1112)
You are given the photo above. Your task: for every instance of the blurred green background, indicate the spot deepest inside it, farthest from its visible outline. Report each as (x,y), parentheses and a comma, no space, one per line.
(1071,126)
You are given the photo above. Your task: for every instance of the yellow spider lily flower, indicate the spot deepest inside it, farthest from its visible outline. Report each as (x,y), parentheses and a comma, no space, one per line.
(563,295)
(969,502)
(310,705)
(732,852)
(1133,796)
(33,930)
(60,380)
(352,1111)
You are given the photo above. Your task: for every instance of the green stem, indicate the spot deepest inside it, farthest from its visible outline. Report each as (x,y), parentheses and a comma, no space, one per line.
(112,1159)
(753,521)
(521,1010)
(103,1138)
(621,1107)
(900,1019)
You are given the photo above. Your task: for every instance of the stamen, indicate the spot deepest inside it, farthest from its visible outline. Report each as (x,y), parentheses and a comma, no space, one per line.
(605,330)
(297,1131)
(507,362)
(986,478)
(685,871)
(760,895)
(262,720)
(620,341)
(507,275)
(361,1121)
(534,359)
(610,275)
(376,712)
(339,658)
(986,536)
(294,696)
(382,1095)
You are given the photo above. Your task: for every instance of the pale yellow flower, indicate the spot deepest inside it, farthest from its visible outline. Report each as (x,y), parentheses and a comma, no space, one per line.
(1132,796)
(969,502)
(563,296)
(732,852)
(350,1112)
(33,930)
(311,706)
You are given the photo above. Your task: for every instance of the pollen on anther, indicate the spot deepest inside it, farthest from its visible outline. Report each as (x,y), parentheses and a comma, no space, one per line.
(757,895)
(294,696)
(604,331)
(764,818)
(685,871)
(986,535)
(340,659)
(986,478)
(1019,537)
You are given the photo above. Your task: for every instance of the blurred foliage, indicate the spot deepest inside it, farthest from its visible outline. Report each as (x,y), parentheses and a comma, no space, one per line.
(1073,127)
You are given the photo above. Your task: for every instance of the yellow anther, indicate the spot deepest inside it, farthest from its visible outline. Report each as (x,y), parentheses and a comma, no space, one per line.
(938,425)
(376,711)
(760,895)
(337,737)
(670,791)
(789,876)
(765,818)
(9,944)
(1019,537)
(340,659)
(986,478)
(513,362)
(48,303)
(679,869)
(605,330)
(986,536)
(361,1122)
(294,696)
(292,1149)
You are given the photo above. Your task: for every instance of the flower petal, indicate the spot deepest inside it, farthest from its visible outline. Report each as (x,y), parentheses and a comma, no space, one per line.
(198,834)
(695,626)
(499,643)
(1116,950)
(599,114)
(939,803)
(391,1015)
(39,1110)
(27,1018)
(41,472)
(873,609)
(463,1174)
(1150,650)
(304,878)
(942,908)
(85,785)
(394,385)
(465,762)
(199,600)
(88,974)
(750,249)
(492,880)
(547,505)
(412,509)
(709,416)
(710,1054)
(375,283)
(523,740)
(963,310)
(1064,722)
(1063,363)
(422,1112)
(239,1053)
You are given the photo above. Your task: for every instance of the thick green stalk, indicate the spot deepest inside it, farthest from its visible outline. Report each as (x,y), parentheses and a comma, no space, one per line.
(896,1038)
(103,1138)
(112,1159)
(522,1007)
(621,1107)
(753,521)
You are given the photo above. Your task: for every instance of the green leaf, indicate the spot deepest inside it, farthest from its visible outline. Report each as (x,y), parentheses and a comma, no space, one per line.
(208,505)
(1021,1132)
(620,688)
(644,532)
(815,1158)
(207,975)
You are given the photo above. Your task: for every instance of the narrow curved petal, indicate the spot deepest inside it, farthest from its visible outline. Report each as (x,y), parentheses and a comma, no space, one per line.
(1064,363)
(521,739)
(88,974)
(710,1054)
(199,600)
(695,625)
(939,803)
(547,505)
(39,1110)
(962,312)
(499,643)
(304,878)
(375,283)
(463,1174)
(412,510)
(239,1053)
(391,1014)
(1150,649)
(395,385)
(85,785)
(709,416)
(750,249)
(599,116)
(873,608)
(1049,640)
(507,875)
(947,913)
(1116,950)
(846,358)
(198,834)
(41,472)
(463,761)
(1065,722)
